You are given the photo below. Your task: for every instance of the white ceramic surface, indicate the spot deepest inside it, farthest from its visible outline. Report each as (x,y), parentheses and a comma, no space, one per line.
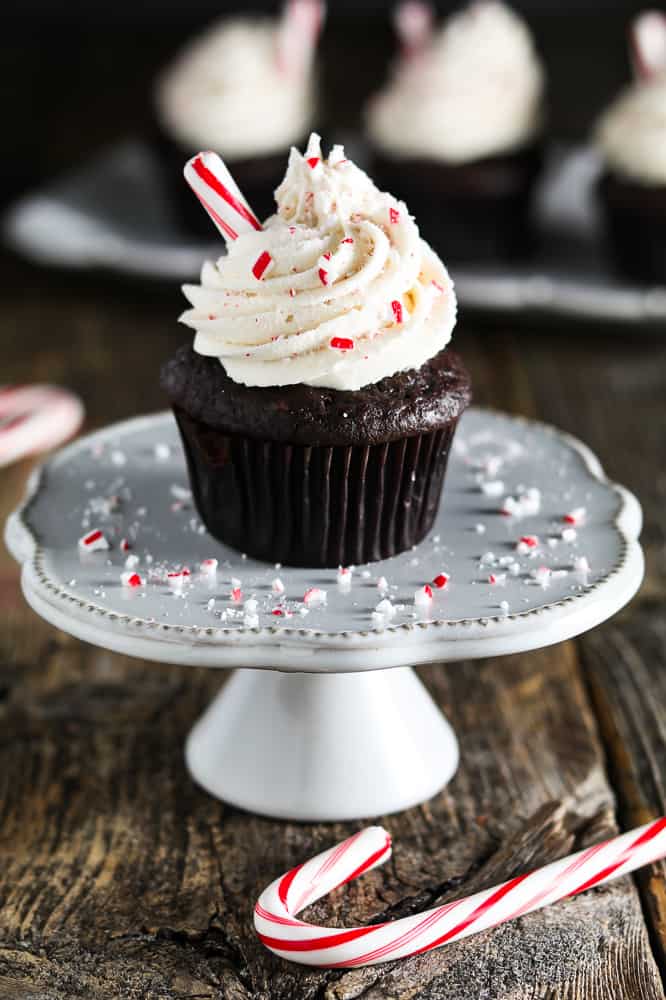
(113,213)
(375,742)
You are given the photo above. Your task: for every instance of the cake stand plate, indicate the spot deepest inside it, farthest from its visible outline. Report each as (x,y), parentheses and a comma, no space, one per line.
(317,728)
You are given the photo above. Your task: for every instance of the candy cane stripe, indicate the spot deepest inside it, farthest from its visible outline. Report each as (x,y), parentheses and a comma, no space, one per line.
(358,946)
(209,178)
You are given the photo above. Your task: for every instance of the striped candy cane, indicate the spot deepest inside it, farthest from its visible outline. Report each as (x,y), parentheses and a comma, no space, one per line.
(297,35)
(209,178)
(647,44)
(35,418)
(283,934)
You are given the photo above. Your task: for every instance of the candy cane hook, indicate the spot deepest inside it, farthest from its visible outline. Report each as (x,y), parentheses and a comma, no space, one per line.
(331,947)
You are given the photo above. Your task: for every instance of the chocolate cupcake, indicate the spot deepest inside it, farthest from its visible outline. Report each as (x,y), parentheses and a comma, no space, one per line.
(457,133)
(318,403)
(246,89)
(631,137)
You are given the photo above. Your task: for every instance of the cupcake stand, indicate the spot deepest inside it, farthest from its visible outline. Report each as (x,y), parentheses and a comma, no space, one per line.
(324,719)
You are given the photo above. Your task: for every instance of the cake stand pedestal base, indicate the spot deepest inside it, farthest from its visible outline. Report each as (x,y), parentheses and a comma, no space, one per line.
(323,746)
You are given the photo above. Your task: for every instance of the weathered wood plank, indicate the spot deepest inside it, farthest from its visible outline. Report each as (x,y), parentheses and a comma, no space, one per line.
(119,878)
(626,670)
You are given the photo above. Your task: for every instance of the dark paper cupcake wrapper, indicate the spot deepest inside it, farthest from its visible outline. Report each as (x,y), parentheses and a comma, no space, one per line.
(319,506)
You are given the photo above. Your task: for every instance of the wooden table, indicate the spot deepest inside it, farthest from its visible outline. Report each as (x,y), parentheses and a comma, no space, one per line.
(120,879)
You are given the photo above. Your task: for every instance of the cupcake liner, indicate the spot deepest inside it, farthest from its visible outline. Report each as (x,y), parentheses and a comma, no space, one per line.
(471,212)
(635,216)
(318,506)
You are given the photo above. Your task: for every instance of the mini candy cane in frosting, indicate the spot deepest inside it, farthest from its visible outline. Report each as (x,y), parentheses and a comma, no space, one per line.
(414,24)
(333,947)
(209,178)
(35,418)
(299,29)
(647,43)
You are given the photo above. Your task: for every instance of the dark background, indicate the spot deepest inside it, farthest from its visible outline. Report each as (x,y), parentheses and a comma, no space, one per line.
(67,64)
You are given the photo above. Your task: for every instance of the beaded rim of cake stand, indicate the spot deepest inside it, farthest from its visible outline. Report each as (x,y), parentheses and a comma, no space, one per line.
(592,466)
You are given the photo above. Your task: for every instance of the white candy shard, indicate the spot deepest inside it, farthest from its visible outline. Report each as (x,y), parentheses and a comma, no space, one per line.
(94,541)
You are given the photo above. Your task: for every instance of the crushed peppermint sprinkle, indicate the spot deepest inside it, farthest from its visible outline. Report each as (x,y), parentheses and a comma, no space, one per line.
(342,343)
(94,541)
(394,216)
(441,581)
(526,544)
(576,516)
(313,161)
(497,579)
(382,583)
(131,580)
(440,288)
(314,596)
(347,239)
(282,613)
(292,293)
(344,576)
(176,580)
(131,562)
(323,275)
(277,586)
(581,566)
(124,545)
(208,567)
(568,534)
(423,596)
(236,594)
(526,504)
(397,310)
(385,608)
(542,576)
(261,265)
(492,488)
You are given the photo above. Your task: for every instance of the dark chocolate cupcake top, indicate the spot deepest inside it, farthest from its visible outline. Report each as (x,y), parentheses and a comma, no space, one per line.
(404,404)
(336,291)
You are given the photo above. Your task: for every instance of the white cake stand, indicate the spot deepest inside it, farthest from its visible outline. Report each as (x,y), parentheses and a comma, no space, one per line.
(318,728)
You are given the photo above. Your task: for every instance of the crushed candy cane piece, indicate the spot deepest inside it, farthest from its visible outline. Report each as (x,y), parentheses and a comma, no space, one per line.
(385,608)
(492,488)
(277,586)
(423,596)
(341,343)
(236,594)
(581,566)
(576,516)
(94,541)
(131,580)
(542,576)
(131,562)
(382,583)
(262,265)
(313,596)
(441,581)
(394,216)
(396,308)
(208,567)
(124,545)
(568,534)
(344,577)
(497,579)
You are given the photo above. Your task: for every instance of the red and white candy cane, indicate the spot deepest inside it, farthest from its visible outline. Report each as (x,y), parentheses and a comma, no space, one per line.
(647,44)
(298,32)
(209,178)
(34,418)
(331,947)
(413,22)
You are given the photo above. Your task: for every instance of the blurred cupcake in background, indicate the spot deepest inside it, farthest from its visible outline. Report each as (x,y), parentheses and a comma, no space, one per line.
(457,131)
(631,136)
(246,89)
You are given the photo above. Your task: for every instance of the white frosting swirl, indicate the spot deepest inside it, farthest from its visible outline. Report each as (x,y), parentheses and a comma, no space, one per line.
(474,91)
(632,132)
(228,92)
(353,293)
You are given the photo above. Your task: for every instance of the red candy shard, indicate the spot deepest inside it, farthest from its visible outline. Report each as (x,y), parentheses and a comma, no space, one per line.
(441,581)
(427,590)
(394,215)
(134,580)
(261,263)
(440,288)
(236,594)
(397,310)
(342,343)
(312,161)
(323,276)
(347,239)
(530,540)
(94,536)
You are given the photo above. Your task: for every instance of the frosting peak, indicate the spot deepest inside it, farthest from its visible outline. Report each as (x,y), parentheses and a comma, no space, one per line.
(474,90)
(338,290)
(228,91)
